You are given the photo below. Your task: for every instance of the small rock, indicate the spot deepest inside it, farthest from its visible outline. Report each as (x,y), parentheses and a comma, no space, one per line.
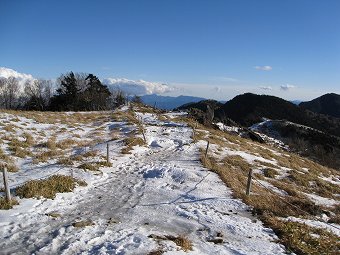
(219,234)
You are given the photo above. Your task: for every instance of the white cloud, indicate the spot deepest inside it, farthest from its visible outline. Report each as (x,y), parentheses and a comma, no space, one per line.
(139,87)
(287,87)
(7,72)
(263,68)
(266,88)
(21,77)
(217,89)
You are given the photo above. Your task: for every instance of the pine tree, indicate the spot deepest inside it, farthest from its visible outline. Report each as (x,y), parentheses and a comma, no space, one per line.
(68,94)
(96,95)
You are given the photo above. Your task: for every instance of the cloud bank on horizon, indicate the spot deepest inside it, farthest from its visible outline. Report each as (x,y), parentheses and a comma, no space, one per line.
(139,87)
(21,77)
(131,87)
(212,91)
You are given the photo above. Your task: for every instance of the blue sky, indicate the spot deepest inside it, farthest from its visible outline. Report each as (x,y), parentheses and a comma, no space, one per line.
(215,49)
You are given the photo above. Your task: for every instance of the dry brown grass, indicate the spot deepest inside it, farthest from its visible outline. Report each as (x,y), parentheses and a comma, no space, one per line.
(262,163)
(304,239)
(46,156)
(181,241)
(130,142)
(237,161)
(51,143)
(270,173)
(65,161)
(19,148)
(268,205)
(92,153)
(29,140)
(104,164)
(89,166)
(66,143)
(127,116)
(11,167)
(6,205)
(83,223)
(10,128)
(21,152)
(8,162)
(48,188)
(77,157)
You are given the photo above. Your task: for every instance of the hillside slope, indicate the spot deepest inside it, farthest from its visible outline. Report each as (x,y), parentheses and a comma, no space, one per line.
(328,104)
(249,109)
(155,197)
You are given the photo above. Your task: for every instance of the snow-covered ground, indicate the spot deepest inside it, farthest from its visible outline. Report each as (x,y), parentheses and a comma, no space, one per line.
(160,189)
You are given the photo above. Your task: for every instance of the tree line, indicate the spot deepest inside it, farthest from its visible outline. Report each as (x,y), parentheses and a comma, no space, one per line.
(71,92)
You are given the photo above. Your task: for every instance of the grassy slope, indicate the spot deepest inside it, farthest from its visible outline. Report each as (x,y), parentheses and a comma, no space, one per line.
(282,182)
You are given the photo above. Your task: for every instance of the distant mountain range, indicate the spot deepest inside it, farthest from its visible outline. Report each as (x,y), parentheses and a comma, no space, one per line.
(168,102)
(310,129)
(202,105)
(248,109)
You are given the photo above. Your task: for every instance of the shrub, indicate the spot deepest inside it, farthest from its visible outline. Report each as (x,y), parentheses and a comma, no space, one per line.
(89,166)
(66,143)
(48,188)
(65,161)
(6,205)
(130,142)
(303,239)
(270,172)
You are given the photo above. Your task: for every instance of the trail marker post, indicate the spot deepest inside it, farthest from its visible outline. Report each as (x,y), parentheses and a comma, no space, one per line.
(7,190)
(143,134)
(108,153)
(250,176)
(206,150)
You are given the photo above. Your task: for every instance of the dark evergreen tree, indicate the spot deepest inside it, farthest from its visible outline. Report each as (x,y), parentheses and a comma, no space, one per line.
(96,95)
(68,94)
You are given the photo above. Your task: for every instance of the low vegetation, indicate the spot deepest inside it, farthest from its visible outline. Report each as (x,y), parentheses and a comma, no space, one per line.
(89,166)
(130,142)
(83,223)
(181,241)
(300,177)
(49,187)
(6,205)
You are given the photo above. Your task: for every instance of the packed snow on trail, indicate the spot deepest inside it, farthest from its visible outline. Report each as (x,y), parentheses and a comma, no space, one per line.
(138,205)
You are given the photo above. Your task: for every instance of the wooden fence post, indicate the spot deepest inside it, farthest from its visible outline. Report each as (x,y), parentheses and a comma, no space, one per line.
(143,134)
(250,176)
(194,131)
(107,153)
(7,190)
(206,150)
